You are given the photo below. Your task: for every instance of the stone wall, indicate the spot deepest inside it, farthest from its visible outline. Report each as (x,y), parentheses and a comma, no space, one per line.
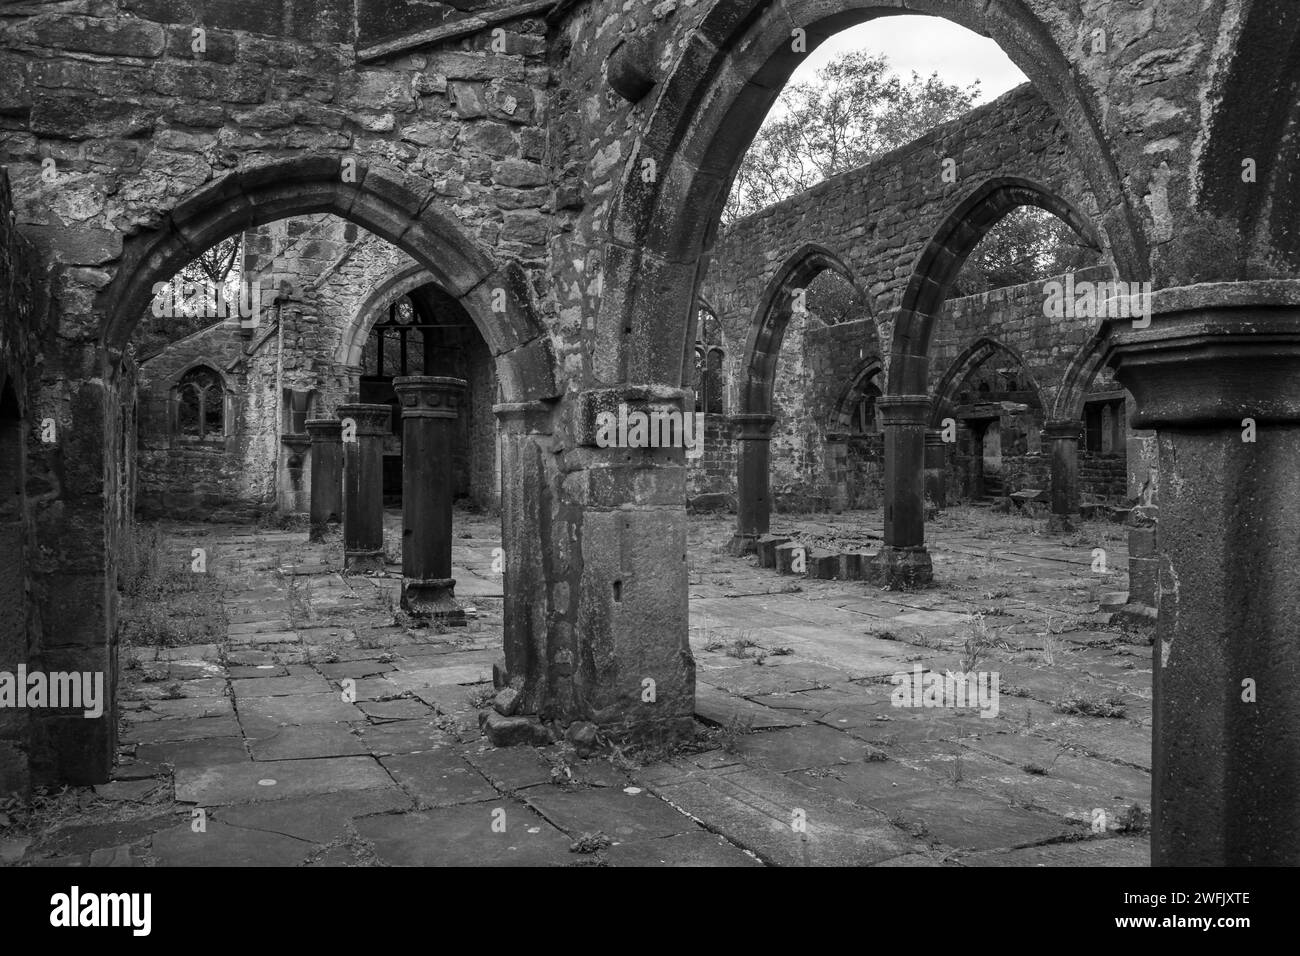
(867,217)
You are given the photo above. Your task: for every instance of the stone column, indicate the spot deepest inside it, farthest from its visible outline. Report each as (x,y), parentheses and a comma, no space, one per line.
(363,484)
(1226,717)
(430,408)
(753,500)
(1061,436)
(936,467)
(525,674)
(632,652)
(903,560)
(326,475)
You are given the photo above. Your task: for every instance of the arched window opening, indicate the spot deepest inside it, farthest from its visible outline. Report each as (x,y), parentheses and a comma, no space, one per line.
(710,361)
(200,401)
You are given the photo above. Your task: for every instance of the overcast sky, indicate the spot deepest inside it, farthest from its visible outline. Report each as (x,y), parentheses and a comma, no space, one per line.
(926,45)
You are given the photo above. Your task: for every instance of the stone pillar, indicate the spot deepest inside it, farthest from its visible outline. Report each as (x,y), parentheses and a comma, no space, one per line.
(936,467)
(636,674)
(903,560)
(363,485)
(1143,522)
(430,408)
(1226,715)
(837,469)
(753,500)
(533,679)
(326,475)
(1061,436)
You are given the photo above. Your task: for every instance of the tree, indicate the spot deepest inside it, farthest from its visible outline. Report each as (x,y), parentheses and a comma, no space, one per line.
(216,263)
(1026,245)
(855,112)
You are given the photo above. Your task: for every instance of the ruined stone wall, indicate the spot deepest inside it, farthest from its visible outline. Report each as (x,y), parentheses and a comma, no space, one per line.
(22,307)
(210,480)
(868,217)
(312,277)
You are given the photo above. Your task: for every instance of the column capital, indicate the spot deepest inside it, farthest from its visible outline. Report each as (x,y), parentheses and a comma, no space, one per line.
(616,403)
(370,419)
(524,417)
(751,426)
(904,409)
(324,430)
(430,396)
(1062,429)
(1214,354)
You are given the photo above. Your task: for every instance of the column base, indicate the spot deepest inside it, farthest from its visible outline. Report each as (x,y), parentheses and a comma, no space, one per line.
(1062,523)
(742,544)
(903,567)
(359,562)
(320,532)
(432,598)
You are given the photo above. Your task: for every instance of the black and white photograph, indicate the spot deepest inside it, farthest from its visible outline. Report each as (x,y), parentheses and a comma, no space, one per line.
(651,434)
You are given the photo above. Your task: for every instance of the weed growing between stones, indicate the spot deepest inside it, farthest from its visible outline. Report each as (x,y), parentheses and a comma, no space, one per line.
(164,603)
(1091,705)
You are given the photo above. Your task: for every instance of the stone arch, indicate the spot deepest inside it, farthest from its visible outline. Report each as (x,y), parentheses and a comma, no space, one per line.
(402,282)
(1257,116)
(840,419)
(713,101)
(1083,369)
(942,258)
(401,209)
(772,316)
(979,352)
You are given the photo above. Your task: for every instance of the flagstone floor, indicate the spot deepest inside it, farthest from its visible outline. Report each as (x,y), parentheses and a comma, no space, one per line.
(322,732)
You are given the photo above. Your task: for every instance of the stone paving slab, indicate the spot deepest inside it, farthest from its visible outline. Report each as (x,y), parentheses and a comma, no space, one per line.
(307,741)
(264,716)
(464,836)
(222,845)
(315,819)
(205,751)
(186,707)
(696,848)
(718,707)
(183,728)
(759,810)
(403,736)
(622,816)
(280,686)
(243,783)
(405,709)
(510,768)
(438,778)
(800,748)
(1114,851)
